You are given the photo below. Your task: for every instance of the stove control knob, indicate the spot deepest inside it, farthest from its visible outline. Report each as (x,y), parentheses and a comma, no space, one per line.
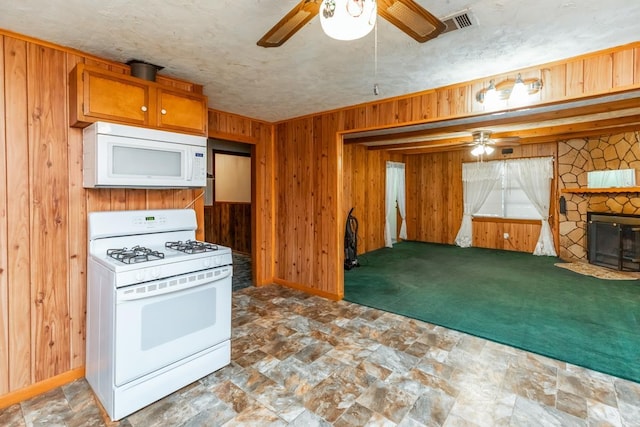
(139,275)
(218,260)
(156,273)
(208,262)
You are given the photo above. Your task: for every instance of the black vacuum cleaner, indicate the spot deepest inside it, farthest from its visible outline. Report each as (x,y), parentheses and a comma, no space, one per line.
(351,242)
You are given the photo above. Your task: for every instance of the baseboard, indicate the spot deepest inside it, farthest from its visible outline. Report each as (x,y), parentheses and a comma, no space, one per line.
(309,290)
(40,387)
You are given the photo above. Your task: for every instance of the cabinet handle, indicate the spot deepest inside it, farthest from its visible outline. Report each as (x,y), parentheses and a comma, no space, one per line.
(144,108)
(163,111)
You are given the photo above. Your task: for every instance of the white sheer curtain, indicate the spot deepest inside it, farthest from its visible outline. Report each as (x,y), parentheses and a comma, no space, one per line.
(534,176)
(394,193)
(478,180)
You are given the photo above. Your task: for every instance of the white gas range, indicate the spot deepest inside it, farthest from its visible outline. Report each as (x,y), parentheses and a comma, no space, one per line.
(158,306)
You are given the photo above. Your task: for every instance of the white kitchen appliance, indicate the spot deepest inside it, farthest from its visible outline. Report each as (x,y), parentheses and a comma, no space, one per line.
(158,306)
(134,157)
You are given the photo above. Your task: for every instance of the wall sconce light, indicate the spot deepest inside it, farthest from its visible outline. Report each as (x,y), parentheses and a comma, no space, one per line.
(516,92)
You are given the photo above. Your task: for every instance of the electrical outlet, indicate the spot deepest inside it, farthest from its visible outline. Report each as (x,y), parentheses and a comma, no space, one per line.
(505,235)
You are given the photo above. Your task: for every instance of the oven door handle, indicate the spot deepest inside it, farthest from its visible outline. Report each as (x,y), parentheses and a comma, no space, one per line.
(171,285)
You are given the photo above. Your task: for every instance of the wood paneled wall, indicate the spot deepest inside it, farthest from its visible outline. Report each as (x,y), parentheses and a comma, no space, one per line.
(43,209)
(229,224)
(304,206)
(435,201)
(259,134)
(363,179)
(434,198)
(307,188)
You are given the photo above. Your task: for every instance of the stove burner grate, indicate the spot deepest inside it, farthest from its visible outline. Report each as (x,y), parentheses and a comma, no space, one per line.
(134,255)
(191,246)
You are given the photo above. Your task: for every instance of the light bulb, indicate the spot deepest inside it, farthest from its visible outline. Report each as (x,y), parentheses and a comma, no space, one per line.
(477,150)
(491,96)
(519,94)
(348,19)
(488,149)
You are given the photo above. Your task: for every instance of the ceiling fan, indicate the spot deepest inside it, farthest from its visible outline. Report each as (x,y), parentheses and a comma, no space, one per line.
(482,142)
(407,15)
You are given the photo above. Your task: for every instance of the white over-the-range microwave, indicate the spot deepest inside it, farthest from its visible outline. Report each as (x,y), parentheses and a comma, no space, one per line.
(124,156)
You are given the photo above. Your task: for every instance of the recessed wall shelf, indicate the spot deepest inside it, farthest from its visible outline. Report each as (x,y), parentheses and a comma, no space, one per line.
(602,190)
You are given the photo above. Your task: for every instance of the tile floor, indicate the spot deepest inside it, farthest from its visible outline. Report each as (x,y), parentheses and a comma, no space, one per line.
(301,360)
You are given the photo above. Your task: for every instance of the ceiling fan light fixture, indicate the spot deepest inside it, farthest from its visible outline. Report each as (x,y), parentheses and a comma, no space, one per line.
(488,149)
(348,19)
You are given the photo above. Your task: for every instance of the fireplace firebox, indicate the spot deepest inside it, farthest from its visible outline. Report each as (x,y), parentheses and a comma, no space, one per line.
(614,240)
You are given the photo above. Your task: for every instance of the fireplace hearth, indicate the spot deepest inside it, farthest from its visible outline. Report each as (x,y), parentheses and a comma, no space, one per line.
(614,240)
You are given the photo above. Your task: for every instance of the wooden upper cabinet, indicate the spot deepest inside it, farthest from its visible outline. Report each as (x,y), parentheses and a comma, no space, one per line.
(181,111)
(98,94)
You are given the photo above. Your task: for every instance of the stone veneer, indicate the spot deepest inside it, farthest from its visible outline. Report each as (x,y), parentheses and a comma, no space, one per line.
(576,157)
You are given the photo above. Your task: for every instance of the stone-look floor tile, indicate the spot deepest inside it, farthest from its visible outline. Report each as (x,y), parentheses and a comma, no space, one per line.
(572,404)
(378,420)
(434,382)
(432,408)
(232,395)
(435,368)
(587,385)
(455,421)
(629,414)
(390,401)
(440,338)
(48,409)
(356,415)
(12,416)
(392,359)
(485,407)
(603,415)
(308,419)
(313,351)
(303,360)
(627,391)
(529,413)
(531,384)
(331,397)
(256,416)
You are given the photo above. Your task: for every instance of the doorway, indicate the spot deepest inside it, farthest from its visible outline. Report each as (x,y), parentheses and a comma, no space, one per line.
(228,209)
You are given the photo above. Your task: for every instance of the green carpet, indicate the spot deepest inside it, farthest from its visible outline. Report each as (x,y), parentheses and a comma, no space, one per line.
(512,298)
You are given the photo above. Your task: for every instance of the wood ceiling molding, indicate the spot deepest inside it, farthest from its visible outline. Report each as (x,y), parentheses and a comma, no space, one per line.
(591,116)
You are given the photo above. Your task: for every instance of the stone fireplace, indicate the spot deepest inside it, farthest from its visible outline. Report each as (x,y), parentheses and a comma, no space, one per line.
(576,157)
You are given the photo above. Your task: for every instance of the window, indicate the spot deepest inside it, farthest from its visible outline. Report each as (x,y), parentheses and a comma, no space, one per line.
(507,199)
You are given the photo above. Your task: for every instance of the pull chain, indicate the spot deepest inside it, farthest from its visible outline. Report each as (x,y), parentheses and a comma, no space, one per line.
(376,90)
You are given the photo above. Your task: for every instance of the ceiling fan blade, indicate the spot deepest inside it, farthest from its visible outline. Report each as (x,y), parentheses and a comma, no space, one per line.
(411,18)
(505,142)
(302,13)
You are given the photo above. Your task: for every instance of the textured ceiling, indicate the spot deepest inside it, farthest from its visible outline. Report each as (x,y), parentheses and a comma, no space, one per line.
(213,43)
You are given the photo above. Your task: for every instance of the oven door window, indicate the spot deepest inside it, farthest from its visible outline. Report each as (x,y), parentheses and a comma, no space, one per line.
(154,332)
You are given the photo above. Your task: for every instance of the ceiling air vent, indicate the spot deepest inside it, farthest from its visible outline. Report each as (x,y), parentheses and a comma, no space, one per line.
(459,20)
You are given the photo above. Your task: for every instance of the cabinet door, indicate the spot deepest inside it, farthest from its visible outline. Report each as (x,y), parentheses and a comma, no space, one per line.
(182,111)
(114,98)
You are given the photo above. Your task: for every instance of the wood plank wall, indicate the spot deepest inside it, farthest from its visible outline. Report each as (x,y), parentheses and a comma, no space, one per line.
(434,198)
(229,224)
(43,209)
(259,134)
(304,206)
(363,180)
(435,201)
